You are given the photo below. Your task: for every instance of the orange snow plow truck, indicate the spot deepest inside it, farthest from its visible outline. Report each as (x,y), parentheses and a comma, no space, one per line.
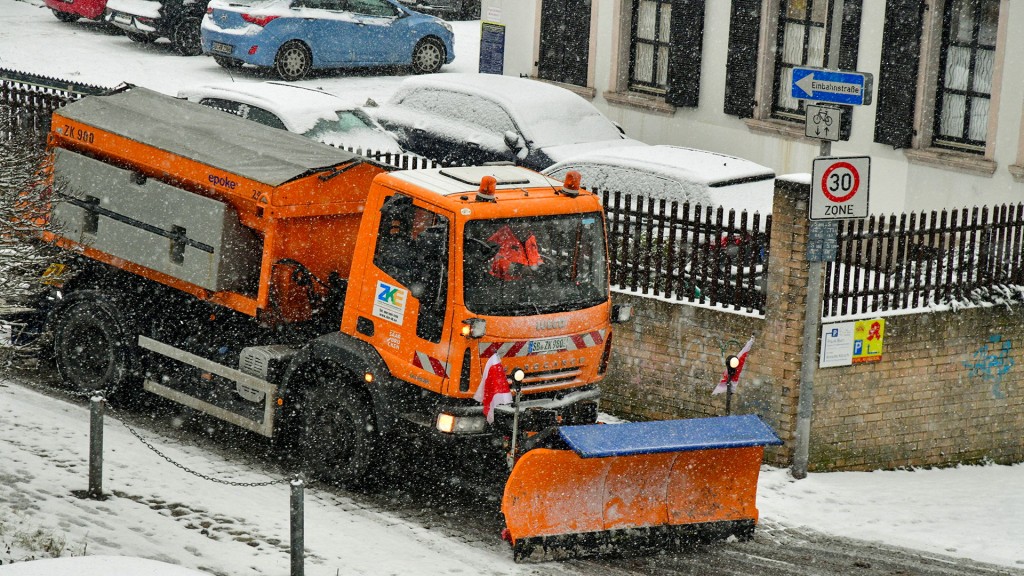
(332,303)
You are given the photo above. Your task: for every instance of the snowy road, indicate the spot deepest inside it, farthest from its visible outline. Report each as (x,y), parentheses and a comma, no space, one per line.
(429,523)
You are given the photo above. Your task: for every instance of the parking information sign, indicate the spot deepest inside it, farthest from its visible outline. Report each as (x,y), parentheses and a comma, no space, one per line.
(839,188)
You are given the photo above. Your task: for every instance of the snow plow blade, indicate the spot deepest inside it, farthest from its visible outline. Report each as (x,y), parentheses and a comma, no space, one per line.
(600,489)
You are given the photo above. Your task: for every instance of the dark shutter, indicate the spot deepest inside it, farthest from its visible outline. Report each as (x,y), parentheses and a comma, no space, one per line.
(849,38)
(741,65)
(564,41)
(897,78)
(685,50)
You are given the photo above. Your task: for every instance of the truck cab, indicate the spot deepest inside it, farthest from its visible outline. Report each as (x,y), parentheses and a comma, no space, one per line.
(471,262)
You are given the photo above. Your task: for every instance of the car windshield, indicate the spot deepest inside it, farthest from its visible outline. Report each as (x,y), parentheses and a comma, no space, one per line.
(541,265)
(344,121)
(565,121)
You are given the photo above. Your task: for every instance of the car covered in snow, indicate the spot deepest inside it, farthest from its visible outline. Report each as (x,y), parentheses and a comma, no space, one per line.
(731,261)
(71,10)
(675,173)
(313,113)
(148,20)
(470,119)
(293,37)
(450,9)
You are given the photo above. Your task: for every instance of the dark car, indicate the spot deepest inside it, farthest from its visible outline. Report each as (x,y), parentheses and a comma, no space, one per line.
(447,9)
(469,119)
(177,20)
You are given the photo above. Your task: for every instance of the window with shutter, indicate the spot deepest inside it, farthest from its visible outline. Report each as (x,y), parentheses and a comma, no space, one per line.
(564,41)
(964,87)
(741,63)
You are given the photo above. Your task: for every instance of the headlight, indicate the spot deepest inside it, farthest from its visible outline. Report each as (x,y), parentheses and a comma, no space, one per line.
(446,25)
(452,424)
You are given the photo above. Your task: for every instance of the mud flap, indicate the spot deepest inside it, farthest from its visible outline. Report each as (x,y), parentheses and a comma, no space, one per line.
(650,483)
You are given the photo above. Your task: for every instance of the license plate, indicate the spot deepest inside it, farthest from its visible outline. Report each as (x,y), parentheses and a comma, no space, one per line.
(222,48)
(549,345)
(122,18)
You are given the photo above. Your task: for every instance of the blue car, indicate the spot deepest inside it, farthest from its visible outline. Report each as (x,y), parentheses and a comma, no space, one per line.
(296,36)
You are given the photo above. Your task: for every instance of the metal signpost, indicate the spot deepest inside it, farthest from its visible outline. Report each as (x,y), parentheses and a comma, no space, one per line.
(839,186)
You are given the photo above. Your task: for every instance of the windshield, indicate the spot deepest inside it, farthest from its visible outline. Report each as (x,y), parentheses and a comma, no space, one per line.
(343,121)
(521,266)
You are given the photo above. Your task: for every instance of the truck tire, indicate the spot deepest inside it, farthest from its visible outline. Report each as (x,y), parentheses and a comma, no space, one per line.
(339,439)
(94,346)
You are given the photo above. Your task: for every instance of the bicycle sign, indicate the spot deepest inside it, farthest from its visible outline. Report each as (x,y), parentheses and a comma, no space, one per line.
(839,188)
(823,122)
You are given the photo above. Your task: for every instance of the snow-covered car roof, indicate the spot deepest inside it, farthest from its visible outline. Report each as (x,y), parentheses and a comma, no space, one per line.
(303,110)
(540,109)
(676,173)
(298,107)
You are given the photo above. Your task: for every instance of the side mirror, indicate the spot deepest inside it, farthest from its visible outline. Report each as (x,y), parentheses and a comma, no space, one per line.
(622,313)
(512,140)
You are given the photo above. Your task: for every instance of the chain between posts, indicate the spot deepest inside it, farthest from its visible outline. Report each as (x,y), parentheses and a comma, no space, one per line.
(195,473)
(102,393)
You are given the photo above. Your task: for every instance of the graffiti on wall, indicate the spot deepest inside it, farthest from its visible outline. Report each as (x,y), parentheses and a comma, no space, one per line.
(990,362)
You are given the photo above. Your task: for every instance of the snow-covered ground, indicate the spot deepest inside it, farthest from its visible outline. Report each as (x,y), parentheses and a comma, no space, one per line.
(162,513)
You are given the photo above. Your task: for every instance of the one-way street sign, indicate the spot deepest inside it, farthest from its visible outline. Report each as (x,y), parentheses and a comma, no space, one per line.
(833,86)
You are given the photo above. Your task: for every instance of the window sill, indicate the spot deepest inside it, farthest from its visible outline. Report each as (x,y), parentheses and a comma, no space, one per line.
(950,160)
(780,128)
(584,91)
(1017,171)
(640,101)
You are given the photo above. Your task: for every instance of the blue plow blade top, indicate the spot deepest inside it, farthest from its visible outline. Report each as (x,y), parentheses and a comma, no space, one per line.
(603,440)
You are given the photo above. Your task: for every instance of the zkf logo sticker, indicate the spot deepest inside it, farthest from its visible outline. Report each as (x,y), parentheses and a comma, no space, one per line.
(390,302)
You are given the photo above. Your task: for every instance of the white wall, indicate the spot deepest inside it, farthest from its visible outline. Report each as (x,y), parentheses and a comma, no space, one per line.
(896,184)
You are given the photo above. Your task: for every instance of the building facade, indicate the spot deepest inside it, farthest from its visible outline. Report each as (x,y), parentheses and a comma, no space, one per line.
(943,129)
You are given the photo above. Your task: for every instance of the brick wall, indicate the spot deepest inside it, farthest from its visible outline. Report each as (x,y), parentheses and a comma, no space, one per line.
(949,387)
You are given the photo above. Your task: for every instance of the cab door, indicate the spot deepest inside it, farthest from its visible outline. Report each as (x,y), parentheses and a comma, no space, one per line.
(404,308)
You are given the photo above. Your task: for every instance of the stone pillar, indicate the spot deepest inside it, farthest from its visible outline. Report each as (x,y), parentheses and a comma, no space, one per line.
(779,345)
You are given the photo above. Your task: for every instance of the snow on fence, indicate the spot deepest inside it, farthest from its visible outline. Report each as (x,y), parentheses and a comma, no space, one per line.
(685,252)
(919,260)
(30,100)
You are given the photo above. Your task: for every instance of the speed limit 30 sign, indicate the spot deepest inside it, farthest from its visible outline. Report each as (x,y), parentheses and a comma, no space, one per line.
(839,188)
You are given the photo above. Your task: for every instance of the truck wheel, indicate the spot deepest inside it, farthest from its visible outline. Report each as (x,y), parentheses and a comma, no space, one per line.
(186,36)
(94,346)
(293,61)
(427,56)
(64,16)
(340,436)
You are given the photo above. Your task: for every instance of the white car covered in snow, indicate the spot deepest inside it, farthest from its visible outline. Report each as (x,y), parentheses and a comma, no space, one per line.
(470,119)
(675,173)
(313,113)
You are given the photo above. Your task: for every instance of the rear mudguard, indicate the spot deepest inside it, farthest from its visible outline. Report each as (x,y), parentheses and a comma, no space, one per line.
(676,479)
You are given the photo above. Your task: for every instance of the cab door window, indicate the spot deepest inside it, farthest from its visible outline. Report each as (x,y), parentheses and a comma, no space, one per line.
(412,248)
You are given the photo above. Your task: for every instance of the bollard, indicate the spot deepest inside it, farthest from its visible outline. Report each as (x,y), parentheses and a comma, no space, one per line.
(96,409)
(297,521)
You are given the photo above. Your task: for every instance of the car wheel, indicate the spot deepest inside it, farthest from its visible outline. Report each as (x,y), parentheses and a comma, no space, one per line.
(186,38)
(339,436)
(65,16)
(225,62)
(293,61)
(140,38)
(93,344)
(428,56)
